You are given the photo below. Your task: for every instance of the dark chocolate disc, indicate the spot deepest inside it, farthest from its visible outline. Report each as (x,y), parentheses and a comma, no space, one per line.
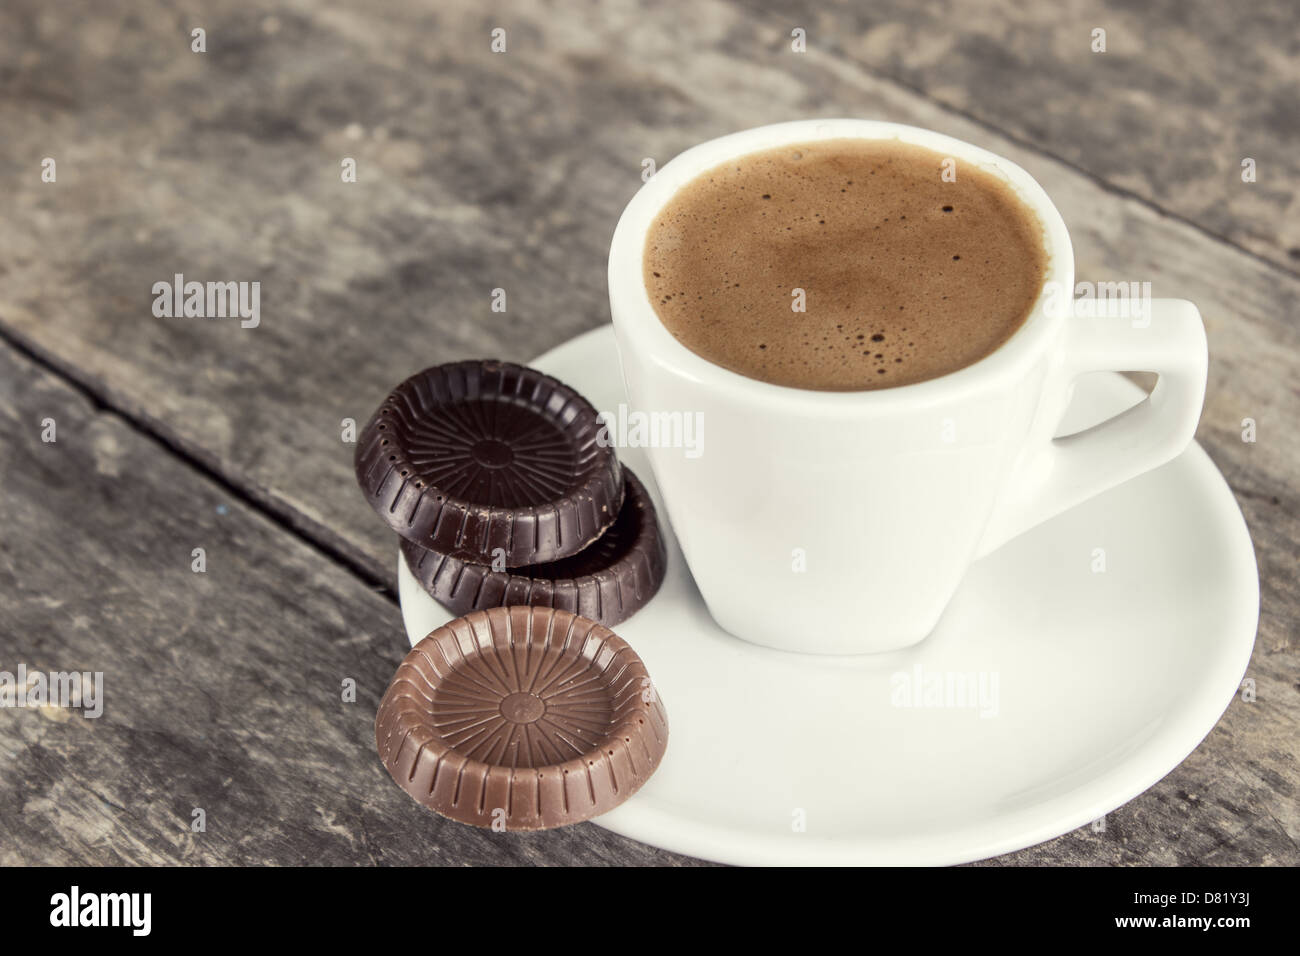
(607,581)
(484,460)
(521,718)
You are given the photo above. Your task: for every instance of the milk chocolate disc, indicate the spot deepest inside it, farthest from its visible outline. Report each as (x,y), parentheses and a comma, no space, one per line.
(478,460)
(526,717)
(607,581)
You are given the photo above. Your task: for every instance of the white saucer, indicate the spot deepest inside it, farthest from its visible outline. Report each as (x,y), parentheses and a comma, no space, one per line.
(1105,681)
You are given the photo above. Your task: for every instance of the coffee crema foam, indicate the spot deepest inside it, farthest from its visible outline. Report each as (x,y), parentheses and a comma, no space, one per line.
(905,276)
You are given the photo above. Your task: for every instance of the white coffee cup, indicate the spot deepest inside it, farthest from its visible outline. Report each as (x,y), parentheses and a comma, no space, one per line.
(843,522)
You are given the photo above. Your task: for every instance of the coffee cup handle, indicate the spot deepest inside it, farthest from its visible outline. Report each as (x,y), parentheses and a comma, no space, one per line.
(1055,474)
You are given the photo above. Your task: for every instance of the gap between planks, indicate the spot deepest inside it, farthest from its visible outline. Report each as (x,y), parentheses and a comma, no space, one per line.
(287,519)
(1041,150)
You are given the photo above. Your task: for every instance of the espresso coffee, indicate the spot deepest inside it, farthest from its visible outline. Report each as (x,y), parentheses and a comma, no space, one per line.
(844,264)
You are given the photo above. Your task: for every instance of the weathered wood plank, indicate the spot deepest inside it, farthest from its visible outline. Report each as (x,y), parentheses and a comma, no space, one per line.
(1182,94)
(478,171)
(222,689)
(463,189)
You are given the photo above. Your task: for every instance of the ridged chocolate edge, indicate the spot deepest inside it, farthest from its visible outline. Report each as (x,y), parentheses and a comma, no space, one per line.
(473,792)
(608,597)
(419,513)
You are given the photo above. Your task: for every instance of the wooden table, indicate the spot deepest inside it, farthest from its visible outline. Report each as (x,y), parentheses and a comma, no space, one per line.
(475,171)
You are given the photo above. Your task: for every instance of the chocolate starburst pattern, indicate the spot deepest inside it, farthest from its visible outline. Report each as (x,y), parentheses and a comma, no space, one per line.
(483,460)
(531,713)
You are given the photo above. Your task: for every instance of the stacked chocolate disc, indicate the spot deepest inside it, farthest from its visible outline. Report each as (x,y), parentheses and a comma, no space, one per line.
(513,512)
(497,480)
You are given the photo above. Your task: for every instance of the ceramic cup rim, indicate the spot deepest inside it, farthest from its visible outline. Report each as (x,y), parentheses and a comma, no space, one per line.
(638,325)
